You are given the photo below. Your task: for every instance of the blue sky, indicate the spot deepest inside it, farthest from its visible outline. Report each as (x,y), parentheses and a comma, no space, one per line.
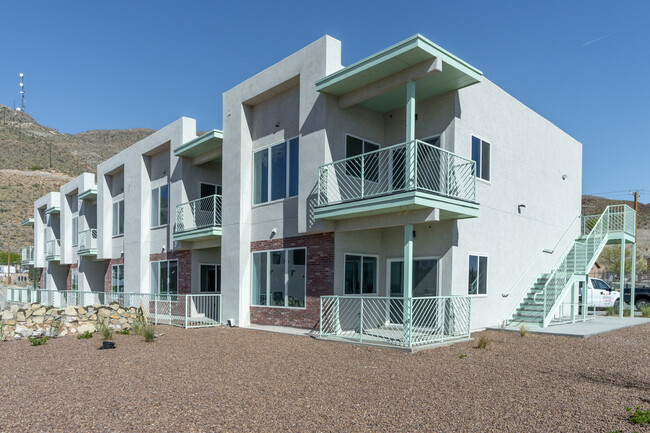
(126,64)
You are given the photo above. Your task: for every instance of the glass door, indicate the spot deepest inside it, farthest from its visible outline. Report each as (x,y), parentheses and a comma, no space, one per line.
(425,283)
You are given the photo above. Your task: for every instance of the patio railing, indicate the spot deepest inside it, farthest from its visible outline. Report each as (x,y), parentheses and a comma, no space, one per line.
(402,322)
(197,214)
(388,171)
(27,255)
(87,241)
(185,310)
(52,249)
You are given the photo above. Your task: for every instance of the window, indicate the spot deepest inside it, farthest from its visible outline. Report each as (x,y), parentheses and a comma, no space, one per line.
(477,275)
(75,231)
(279,278)
(118,218)
(354,147)
(360,274)
(74,280)
(275,172)
(425,277)
(117,278)
(211,278)
(209,190)
(159,206)
(164,277)
(481,155)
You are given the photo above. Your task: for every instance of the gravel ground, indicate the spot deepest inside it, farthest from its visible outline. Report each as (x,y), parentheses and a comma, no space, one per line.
(224,379)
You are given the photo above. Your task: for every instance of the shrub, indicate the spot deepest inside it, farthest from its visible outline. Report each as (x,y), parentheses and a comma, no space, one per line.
(610,311)
(107,333)
(37,341)
(138,328)
(462,356)
(85,335)
(626,313)
(124,332)
(485,343)
(645,311)
(149,334)
(639,416)
(523,331)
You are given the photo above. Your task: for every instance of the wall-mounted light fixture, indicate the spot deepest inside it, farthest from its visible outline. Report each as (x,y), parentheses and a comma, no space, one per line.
(520,207)
(564,176)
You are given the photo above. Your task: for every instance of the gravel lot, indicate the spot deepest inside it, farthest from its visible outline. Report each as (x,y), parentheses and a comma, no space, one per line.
(244,380)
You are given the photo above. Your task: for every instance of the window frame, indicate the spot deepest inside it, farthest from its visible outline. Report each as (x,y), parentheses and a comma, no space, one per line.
(74,279)
(120,273)
(401,259)
(74,225)
(159,209)
(286,279)
(217,277)
(363,152)
(120,203)
(376,256)
(269,179)
(480,162)
(158,262)
(478,255)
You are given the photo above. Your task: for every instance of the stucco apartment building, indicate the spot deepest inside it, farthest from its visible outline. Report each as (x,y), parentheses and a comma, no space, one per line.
(407,174)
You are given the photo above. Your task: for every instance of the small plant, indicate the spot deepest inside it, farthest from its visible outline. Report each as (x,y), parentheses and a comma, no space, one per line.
(149,334)
(54,328)
(639,416)
(645,311)
(626,313)
(523,331)
(85,335)
(37,341)
(105,331)
(610,311)
(138,328)
(485,343)
(123,332)
(463,356)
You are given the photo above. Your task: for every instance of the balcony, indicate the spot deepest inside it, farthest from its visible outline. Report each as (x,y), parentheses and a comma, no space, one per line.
(87,243)
(53,250)
(198,219)
(27,256)
(407,176)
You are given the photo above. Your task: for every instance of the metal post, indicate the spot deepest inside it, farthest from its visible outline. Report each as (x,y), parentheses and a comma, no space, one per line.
(585,291)
(361,323)
(362,176)
(407,292)
(186,303)
(573,303)
(320,321)
(442,334)
(622,282)
(633,279)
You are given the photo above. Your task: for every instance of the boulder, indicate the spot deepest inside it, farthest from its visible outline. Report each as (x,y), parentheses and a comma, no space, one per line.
(85,327)
(35,306)
(71,319)
(10,322)
(23,331)
(114,305)
(104,312)
(28,312)
(38,319)
(20,316)
(70,311)
(40,311)
(81,310)
(114,316)
(14,308)
(7,315)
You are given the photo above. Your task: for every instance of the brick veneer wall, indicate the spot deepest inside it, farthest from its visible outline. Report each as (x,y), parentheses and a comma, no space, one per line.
(320,281)
(41,283)
(107,273)
(68,282)
(184,258)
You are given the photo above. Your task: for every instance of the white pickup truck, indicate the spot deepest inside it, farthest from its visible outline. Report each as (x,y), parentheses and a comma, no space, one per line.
(601,294)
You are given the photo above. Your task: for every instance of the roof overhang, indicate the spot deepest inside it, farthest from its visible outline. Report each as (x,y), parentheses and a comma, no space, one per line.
(29,222)
(89,194)
(53,210)
(209,142)
(378,82)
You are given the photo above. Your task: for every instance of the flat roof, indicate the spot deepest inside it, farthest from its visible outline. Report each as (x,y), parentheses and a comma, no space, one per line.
(201,144)
(455,73)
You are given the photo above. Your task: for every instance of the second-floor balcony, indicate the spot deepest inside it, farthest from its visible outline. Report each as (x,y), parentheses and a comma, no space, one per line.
(53,250)
(411,175)
(198,219)
(87,243)
(27,256)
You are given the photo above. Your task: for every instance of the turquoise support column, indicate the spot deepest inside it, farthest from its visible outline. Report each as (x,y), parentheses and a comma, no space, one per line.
(633,279)
(408,282)
(410,136)
(573,302)
(622,284)
(585,291)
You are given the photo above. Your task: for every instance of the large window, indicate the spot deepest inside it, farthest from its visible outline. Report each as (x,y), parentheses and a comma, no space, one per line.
(477,283)
(164,277)
(160,206)
(354,147)
(117,278)
(75,231)
(425,277)
(211,278)
(279,278)
(275,172)
(481,155)
(360,274)
(118,218)
(74,279)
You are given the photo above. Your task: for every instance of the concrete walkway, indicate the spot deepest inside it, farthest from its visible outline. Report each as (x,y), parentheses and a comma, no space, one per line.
(599,325)
(280,329)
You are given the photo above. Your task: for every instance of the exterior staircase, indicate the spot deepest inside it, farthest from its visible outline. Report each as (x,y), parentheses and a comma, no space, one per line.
(542,300)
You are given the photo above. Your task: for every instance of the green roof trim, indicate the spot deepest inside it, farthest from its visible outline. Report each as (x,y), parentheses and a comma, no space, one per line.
(198,234)
(89,194)
(455,73)
(53,210)
(29,222)
(199,145)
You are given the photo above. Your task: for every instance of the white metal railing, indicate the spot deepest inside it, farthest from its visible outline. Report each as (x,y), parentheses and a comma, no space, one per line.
(27,255)
(52,249)
(185,310)
(196,214)
(414,165)
(405,322)
(88,240)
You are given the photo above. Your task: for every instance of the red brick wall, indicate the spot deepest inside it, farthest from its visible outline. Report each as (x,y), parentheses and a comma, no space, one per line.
(320,281)
(108,276)
(42,282)
(68,282)
(184,258)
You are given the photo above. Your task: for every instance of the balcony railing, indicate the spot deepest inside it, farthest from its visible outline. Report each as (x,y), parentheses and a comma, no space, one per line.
(52,249)
(405,322)
(87,241)
(198,214)
(27,255)
(410,166)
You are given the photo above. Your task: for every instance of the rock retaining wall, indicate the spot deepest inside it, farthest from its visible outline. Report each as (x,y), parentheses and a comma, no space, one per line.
(36,320)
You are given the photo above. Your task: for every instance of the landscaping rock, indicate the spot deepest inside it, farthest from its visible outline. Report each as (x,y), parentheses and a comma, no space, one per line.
(39,311)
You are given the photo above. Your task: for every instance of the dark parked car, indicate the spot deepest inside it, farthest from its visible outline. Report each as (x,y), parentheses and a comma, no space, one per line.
(641,296)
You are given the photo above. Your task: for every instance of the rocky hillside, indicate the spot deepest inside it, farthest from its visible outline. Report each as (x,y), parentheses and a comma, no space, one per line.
(25,172)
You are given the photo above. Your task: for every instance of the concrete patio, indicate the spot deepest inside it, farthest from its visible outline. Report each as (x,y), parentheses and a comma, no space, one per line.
(598,325)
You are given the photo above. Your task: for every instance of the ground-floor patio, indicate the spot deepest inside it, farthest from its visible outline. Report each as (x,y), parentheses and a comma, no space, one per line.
(233,379)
